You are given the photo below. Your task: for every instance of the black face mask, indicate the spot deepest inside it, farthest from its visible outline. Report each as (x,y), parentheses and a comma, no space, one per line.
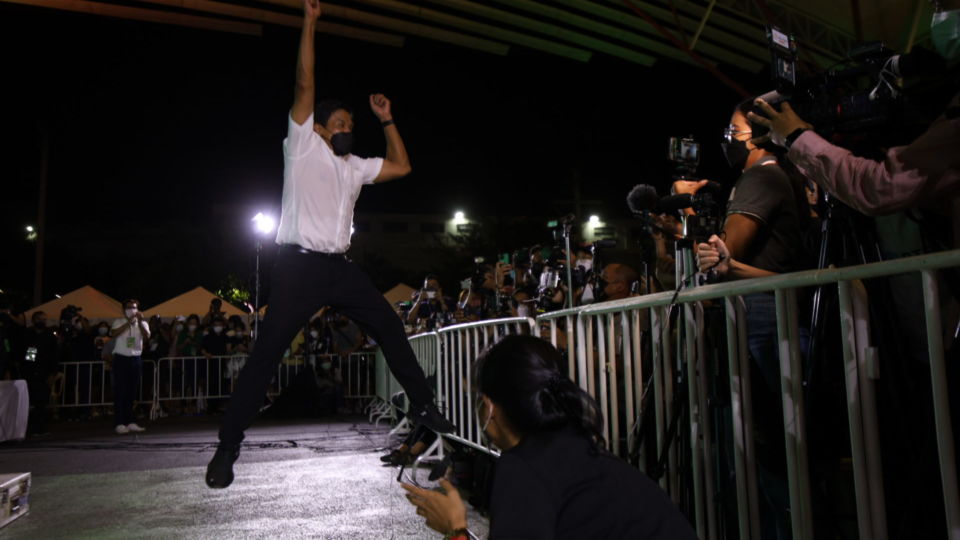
(342,143)
(736,153)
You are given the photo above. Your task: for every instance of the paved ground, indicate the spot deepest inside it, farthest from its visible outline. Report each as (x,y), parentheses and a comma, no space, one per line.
(294,480)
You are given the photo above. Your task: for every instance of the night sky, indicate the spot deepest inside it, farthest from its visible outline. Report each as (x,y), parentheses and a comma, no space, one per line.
(158,134)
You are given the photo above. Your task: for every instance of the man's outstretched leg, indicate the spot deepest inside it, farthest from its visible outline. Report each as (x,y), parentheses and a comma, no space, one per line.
(296,292)
(357,298)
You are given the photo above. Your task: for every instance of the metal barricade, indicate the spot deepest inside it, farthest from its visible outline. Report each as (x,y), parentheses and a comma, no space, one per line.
(460,346)
(90,384)
(631,355)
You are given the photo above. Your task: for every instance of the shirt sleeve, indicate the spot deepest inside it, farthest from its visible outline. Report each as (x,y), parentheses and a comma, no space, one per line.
(521,505)
(299,137)
(925,171)
(757,194)
(367,168)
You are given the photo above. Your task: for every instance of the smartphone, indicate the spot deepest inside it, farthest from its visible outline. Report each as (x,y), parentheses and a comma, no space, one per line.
(505,258)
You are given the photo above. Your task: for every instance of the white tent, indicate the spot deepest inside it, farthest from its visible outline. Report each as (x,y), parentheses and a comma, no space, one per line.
(94,305)
(194,301)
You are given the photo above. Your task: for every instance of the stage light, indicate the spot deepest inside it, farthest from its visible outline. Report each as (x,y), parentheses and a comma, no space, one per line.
(459,217)
(263,223)
(594,220)
(31,233)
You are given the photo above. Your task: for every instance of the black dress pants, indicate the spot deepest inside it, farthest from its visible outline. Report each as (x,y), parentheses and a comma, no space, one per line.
(301,284)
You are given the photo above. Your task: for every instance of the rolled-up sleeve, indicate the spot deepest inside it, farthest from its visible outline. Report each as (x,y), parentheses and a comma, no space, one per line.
(923,172)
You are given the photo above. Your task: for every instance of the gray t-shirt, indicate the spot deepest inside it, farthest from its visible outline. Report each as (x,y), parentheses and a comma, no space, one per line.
(764,193)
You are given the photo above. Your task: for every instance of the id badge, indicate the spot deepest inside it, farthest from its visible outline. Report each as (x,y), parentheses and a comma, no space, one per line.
(131,341)
(31,355)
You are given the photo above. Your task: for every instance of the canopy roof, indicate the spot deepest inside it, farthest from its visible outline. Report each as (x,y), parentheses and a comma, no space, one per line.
(193,301)
(93,303)
(401,293)
(714,34)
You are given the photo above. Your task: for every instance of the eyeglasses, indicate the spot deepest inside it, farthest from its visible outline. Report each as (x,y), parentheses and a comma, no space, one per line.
(730,131)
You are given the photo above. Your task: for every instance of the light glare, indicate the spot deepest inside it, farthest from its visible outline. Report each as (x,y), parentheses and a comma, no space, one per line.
(263,223)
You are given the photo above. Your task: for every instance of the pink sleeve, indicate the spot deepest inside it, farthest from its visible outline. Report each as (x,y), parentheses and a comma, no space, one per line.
(918,174)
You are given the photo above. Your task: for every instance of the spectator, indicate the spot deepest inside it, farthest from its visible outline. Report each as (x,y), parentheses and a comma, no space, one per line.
(618,281)
(238,339)
(214,312)
(130,333)
(430,307)
(37,365)
(10,333)
(553,478)
(188,342)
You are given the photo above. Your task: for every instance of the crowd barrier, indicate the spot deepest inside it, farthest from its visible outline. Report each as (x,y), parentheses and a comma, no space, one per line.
(194,380)
(608,345)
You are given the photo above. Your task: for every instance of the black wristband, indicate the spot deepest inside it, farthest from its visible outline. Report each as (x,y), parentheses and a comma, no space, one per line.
(788,141)
(386,123)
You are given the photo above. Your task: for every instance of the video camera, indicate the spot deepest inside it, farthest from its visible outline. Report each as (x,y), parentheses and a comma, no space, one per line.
(859,106)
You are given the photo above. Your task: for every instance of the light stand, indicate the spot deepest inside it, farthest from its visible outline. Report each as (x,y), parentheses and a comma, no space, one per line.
(567,224)
(263,225)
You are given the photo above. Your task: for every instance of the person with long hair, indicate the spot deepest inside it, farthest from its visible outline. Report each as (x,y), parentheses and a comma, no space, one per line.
(554,479)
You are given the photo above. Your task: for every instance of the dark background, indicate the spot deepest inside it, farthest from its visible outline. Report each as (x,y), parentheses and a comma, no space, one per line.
(163,141)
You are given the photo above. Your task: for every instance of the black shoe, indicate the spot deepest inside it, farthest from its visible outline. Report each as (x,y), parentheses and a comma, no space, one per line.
(429,416)
(391,457)
(220,469)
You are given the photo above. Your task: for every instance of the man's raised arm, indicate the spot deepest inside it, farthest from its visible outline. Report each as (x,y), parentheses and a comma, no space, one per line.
(305,91)
(396,164)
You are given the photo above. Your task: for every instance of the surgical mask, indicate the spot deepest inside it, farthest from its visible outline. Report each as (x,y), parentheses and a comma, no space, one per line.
(736,153)
(587,264)
(102,331)
(179,327)
(945,33)
(523,310)
(218,329)
(130,313)
(314,334)
(483,423)
(342,143)
(326,365)
(192,327)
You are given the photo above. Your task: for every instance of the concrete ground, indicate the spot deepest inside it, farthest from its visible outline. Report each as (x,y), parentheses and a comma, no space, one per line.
(294,479)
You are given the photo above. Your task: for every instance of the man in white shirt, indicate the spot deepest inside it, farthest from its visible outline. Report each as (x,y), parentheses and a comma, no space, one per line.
(321,183)
(129,334)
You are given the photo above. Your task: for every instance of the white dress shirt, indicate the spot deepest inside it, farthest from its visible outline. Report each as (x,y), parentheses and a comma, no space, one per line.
(319,190)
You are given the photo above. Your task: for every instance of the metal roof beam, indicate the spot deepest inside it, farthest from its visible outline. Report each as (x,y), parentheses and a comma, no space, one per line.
(715,52)
(405,27)
(146,15)
(487,30)
(273,17)
(526,23)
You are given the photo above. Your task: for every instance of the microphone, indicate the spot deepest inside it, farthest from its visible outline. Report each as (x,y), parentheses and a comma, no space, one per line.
(671,203)
(642,198)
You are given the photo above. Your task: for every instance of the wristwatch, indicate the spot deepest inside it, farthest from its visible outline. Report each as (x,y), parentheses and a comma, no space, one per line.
(789,139)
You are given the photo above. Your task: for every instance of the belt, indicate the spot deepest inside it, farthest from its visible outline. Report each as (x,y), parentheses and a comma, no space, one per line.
(305,251)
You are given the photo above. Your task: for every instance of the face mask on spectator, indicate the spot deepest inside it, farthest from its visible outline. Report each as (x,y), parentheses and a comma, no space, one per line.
(736,153)
(587,264)
(102,331)
(218,329)
(192,327)
(523,310)
(179,328)
(945,33)
(483,423)
(129,312)
(314,334)
(326,365)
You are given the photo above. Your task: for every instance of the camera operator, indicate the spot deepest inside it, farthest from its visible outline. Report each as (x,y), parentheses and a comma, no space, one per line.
(38,365)
(766,216)
(430,308)
(924,172)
